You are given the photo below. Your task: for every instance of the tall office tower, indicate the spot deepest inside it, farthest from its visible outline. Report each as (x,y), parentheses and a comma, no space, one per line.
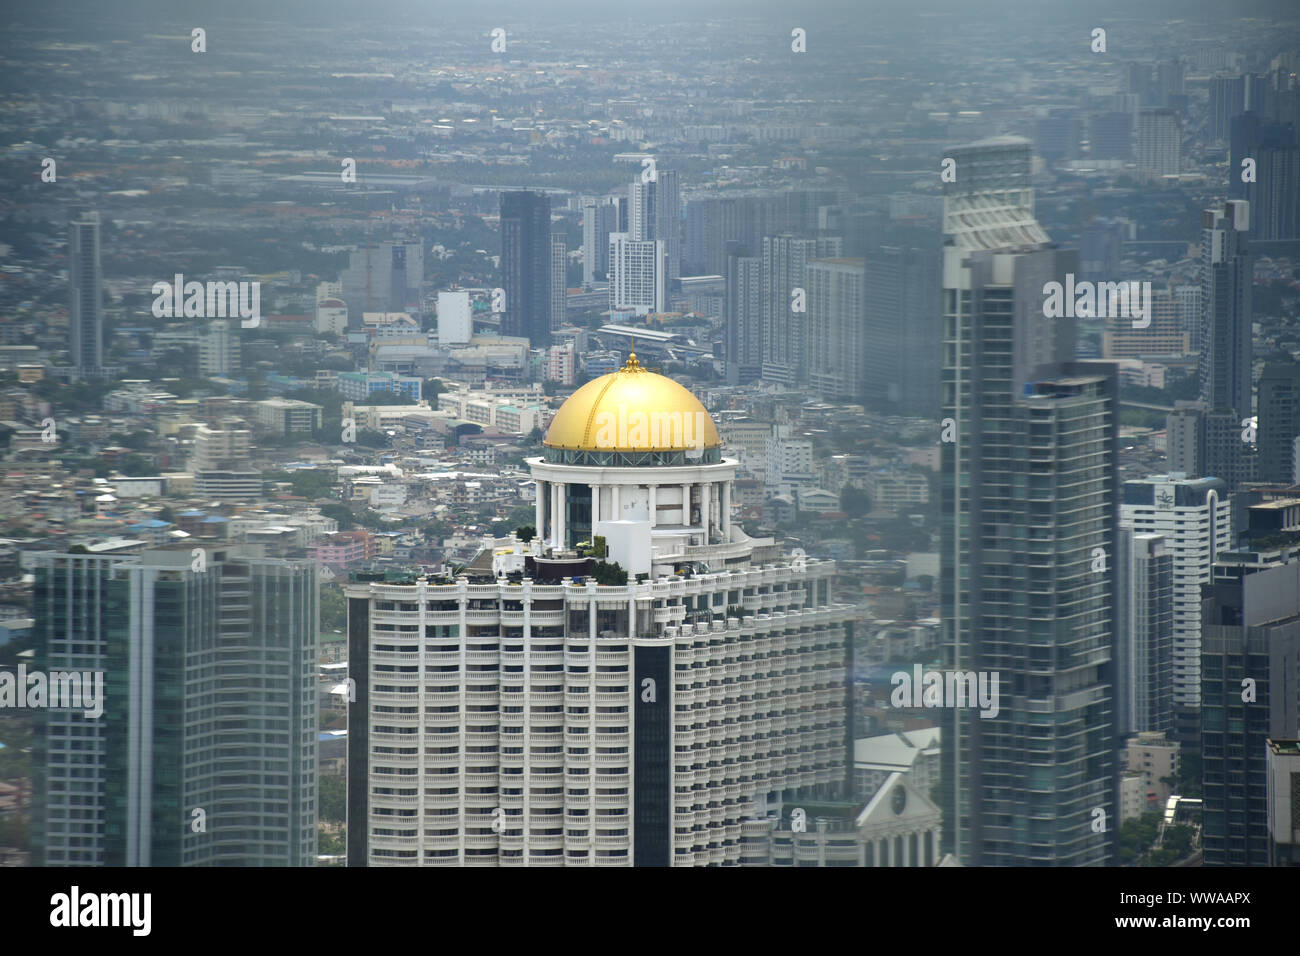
(667,219)
(1279,421)
(86,315)
(559,278)
(1282,769)
(1274,194)
(804,211)
(904,323)
(455,318)
(700,224)
(382,277)
(1058,135)
(209,705)
(1159,142)
(219,349)
(1195,517)
(1029,495)
(599,219)
(1185,431)
(1111,135)
(1170,81)
(1189,314)
(785,330)
(1224,365)
(1227,99)
(397,280)
(1144,633)
(637,275)
(654,211)
(837,342)
(744,314)
(866,230)
(1138,83)
(599,723)
(1101,247)
(526,266)
(640,211)
(712,223)
(1250,660)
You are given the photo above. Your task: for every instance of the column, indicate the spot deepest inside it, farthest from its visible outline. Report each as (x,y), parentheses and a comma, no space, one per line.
(654,505)
(540,510)
(616,504)
(557,515)
(706,504)
(595,509)
(686,504)
(726,510)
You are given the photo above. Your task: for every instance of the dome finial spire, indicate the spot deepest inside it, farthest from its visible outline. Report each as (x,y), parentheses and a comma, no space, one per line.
(632,365)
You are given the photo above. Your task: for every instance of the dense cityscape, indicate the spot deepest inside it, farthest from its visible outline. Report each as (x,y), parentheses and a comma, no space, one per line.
(590,437)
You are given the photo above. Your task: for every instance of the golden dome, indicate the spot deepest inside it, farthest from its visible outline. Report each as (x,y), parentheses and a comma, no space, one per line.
(632,410)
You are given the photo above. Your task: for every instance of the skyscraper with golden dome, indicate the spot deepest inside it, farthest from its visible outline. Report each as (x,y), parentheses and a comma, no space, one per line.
(626,688)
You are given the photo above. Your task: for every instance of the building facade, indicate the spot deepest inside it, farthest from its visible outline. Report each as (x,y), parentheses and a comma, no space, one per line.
(1029,494)
(1195,518)
(525,714)
(205,751)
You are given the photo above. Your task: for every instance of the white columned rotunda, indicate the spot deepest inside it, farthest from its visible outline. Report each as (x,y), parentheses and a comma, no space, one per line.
(634,456)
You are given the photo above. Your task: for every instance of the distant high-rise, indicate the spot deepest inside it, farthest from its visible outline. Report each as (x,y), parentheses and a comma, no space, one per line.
(837,346)
(712,223)
(1195,518)
(86,316)
(1227,100)
(599,219)
(1250,670)
(1111,135)
(904,323)
(526,266)
(1185,438)
(785,316)
(1274,192)
(744,316)
(667,212)
(1057,136)
(640,211)
(1279,421)
(1029,504)
(637,276)
(1159,142)
(559,280)
(1144,634)
(382,277)
(1224,364)
(209,710)
(1189,313)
